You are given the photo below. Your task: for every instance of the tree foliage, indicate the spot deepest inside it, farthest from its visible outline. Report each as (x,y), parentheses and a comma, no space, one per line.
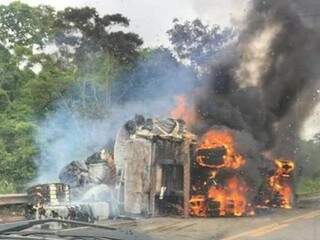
(308,156)
(49,59)
(85,31)
(27,26)
(197,43)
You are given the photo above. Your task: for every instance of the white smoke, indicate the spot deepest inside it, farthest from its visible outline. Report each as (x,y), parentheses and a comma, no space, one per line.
(66,136)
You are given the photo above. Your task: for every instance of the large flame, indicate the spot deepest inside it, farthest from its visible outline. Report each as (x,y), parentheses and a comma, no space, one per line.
(220,138)
(228,198)
(198,205)
(232,198)
(281,182)
(183,111)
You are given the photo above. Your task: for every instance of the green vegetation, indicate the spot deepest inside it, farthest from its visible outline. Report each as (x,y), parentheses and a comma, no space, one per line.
(309,185)
(44,57)
(309,161)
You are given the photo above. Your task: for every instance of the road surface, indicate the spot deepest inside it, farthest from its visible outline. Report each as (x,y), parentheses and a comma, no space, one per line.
(302,223)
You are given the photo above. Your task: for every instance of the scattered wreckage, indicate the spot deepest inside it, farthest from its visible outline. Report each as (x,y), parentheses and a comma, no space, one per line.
(143,175)
(157,167)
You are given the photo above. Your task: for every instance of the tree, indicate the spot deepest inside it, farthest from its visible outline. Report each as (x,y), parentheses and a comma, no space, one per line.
(26,26)
(85,31)
(91,91)
(198,44)
(26,30)
(308,157)
(85,57)
(51,84)
(89,56)
(17,149)
(87,42)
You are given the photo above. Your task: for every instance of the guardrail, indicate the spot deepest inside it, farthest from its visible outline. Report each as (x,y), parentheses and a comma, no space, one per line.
(11,199)
(308,195)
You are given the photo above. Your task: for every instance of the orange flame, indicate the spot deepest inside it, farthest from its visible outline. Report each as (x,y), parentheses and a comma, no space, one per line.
(280,182)
(183,111)
(197,206)
(229,198)
(221,138)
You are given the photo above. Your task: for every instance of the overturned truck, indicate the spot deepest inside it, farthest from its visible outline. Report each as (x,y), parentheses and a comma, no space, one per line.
(157,167)
(165,169)
(153,157)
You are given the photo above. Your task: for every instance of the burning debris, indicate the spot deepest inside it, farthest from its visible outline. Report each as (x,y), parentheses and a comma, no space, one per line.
(161,168)
(168,170)
(219,182)
(279,190)
(281,182)
(221,185)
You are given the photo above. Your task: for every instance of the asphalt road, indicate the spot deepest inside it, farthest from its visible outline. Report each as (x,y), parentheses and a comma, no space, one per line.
(303,226)
(302,223)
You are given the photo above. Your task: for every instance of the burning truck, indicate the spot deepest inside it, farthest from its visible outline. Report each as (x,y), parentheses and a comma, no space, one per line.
(169,170)
(158,167)
(223,185)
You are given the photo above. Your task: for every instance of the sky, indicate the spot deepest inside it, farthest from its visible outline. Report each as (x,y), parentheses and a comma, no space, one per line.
(152,18)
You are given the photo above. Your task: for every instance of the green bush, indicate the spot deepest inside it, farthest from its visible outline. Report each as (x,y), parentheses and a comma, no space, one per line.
(309,185)
(7,187)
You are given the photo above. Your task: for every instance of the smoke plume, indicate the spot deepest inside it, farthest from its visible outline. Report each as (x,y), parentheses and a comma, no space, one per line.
(66,135)
(267,83)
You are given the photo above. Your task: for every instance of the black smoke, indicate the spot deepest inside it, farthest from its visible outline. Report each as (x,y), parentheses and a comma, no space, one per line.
(266,85)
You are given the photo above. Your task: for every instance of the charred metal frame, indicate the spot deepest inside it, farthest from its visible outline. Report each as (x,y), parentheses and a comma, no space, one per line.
(181,159)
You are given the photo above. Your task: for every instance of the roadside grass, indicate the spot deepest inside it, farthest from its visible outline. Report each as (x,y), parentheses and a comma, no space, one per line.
(7,187)
(309,185)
